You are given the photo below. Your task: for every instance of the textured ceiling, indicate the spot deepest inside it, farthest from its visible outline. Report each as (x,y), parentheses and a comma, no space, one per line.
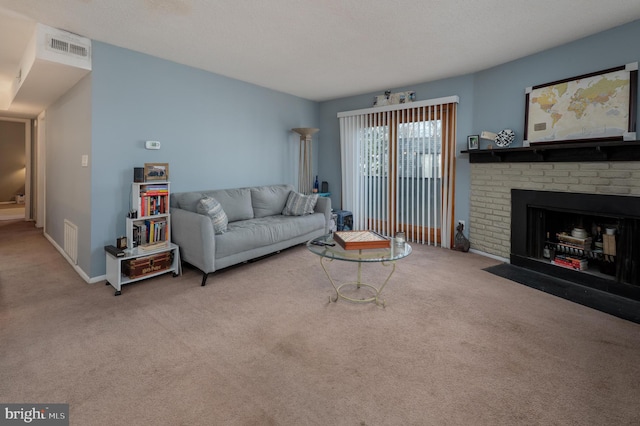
(319,49)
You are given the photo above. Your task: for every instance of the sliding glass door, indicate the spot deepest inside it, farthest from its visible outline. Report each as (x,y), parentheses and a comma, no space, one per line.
(399,170)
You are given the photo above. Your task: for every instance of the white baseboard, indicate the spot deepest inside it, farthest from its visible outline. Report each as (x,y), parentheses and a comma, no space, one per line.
(80,272)
(492,256)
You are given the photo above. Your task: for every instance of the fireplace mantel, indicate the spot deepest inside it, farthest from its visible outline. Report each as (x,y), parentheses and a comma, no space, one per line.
(560,152)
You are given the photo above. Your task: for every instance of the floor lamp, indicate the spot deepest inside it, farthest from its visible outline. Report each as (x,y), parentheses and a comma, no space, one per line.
(305,172)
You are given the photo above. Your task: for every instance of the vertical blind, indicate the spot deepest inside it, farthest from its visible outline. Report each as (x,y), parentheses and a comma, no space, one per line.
(398,167)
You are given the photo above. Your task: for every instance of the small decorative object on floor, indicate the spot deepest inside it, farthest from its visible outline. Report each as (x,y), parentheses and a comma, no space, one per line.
(460,242)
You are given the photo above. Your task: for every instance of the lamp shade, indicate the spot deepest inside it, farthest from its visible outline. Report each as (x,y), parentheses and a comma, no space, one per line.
(305,131)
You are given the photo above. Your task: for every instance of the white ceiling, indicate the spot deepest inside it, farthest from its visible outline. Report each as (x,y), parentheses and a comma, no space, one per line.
(319,49)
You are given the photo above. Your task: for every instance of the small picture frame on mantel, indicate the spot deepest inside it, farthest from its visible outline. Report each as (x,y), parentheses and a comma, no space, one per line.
(473,142)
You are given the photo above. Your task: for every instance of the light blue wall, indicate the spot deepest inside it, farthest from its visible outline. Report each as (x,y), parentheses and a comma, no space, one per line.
(499,96)
(215,132)
(493,99)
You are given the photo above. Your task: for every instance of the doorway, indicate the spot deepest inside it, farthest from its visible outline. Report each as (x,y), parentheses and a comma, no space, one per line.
(15,168)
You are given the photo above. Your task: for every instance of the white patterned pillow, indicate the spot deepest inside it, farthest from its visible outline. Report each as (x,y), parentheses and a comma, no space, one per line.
(209,206)
(298,204)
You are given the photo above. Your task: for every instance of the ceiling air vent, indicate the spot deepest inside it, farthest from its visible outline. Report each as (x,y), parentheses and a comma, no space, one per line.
(60,45)
(78,50)
(67,47)
(53,62)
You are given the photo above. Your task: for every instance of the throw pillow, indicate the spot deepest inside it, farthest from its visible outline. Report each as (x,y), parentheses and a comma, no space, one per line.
(209,206)
(298,204)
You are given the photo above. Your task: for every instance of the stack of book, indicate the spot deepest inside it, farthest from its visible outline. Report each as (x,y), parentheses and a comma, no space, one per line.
(576,263)
(114,251)
(153,246)
(150,232)
(575,242)
(153,200)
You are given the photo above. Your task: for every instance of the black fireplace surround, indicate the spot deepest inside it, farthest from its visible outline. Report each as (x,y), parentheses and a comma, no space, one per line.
(538,216)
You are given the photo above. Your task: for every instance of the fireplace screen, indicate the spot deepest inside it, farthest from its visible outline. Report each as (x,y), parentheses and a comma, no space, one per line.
(594,237)
(577,241)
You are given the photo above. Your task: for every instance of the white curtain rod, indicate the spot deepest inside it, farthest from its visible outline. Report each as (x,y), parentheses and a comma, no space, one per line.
(408,105)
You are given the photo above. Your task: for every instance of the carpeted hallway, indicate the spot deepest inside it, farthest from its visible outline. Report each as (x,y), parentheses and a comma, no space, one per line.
(260,345)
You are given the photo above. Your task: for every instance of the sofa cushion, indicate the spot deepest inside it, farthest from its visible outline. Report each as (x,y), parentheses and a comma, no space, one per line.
(298,204)
(236,203)
(211,207)
(186,200)
(269,200)
(247,235)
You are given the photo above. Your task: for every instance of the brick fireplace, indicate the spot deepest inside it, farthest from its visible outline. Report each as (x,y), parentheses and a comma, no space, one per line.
(491,185)
(493,180)
(588,239)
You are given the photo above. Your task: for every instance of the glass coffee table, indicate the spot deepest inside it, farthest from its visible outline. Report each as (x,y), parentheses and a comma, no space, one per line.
(329,250)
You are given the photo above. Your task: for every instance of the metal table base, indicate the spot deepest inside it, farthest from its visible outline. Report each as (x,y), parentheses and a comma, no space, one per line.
(358,283)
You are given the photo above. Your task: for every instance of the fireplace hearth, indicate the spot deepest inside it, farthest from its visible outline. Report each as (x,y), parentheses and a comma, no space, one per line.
(588,239)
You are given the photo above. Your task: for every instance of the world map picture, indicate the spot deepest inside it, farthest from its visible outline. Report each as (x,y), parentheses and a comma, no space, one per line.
(596,106)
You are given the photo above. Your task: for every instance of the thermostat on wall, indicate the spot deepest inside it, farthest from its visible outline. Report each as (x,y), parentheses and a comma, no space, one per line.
(152,145)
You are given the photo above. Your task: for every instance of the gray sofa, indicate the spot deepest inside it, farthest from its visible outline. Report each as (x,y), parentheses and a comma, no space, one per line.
(256,224)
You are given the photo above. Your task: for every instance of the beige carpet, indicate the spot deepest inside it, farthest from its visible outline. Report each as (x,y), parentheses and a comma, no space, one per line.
(260,345)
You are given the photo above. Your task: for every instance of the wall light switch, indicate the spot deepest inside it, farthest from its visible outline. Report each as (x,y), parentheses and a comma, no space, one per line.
(85,160)
(152,144)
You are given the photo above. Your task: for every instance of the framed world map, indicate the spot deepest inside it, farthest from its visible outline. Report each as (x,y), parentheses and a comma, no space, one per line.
(600,105)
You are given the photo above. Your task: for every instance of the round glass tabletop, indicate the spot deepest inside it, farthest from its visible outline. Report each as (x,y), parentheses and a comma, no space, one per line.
(325,246)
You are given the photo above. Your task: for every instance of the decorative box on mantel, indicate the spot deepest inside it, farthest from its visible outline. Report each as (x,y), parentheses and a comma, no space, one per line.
(599,150)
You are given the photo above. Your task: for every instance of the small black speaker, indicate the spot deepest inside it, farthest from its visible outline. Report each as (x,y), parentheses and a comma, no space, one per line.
(138,174)
(325,186)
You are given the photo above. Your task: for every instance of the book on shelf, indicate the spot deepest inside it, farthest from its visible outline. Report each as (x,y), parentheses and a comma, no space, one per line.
(154,192)
(153,246)
(579,264)
(574,242)
(151,205)
(154,187)
(156,230)
(152,199)
(114,250)
(148,231)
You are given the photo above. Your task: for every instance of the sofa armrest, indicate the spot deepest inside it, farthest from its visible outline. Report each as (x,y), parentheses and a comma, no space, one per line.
(323,205)
(194,234)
